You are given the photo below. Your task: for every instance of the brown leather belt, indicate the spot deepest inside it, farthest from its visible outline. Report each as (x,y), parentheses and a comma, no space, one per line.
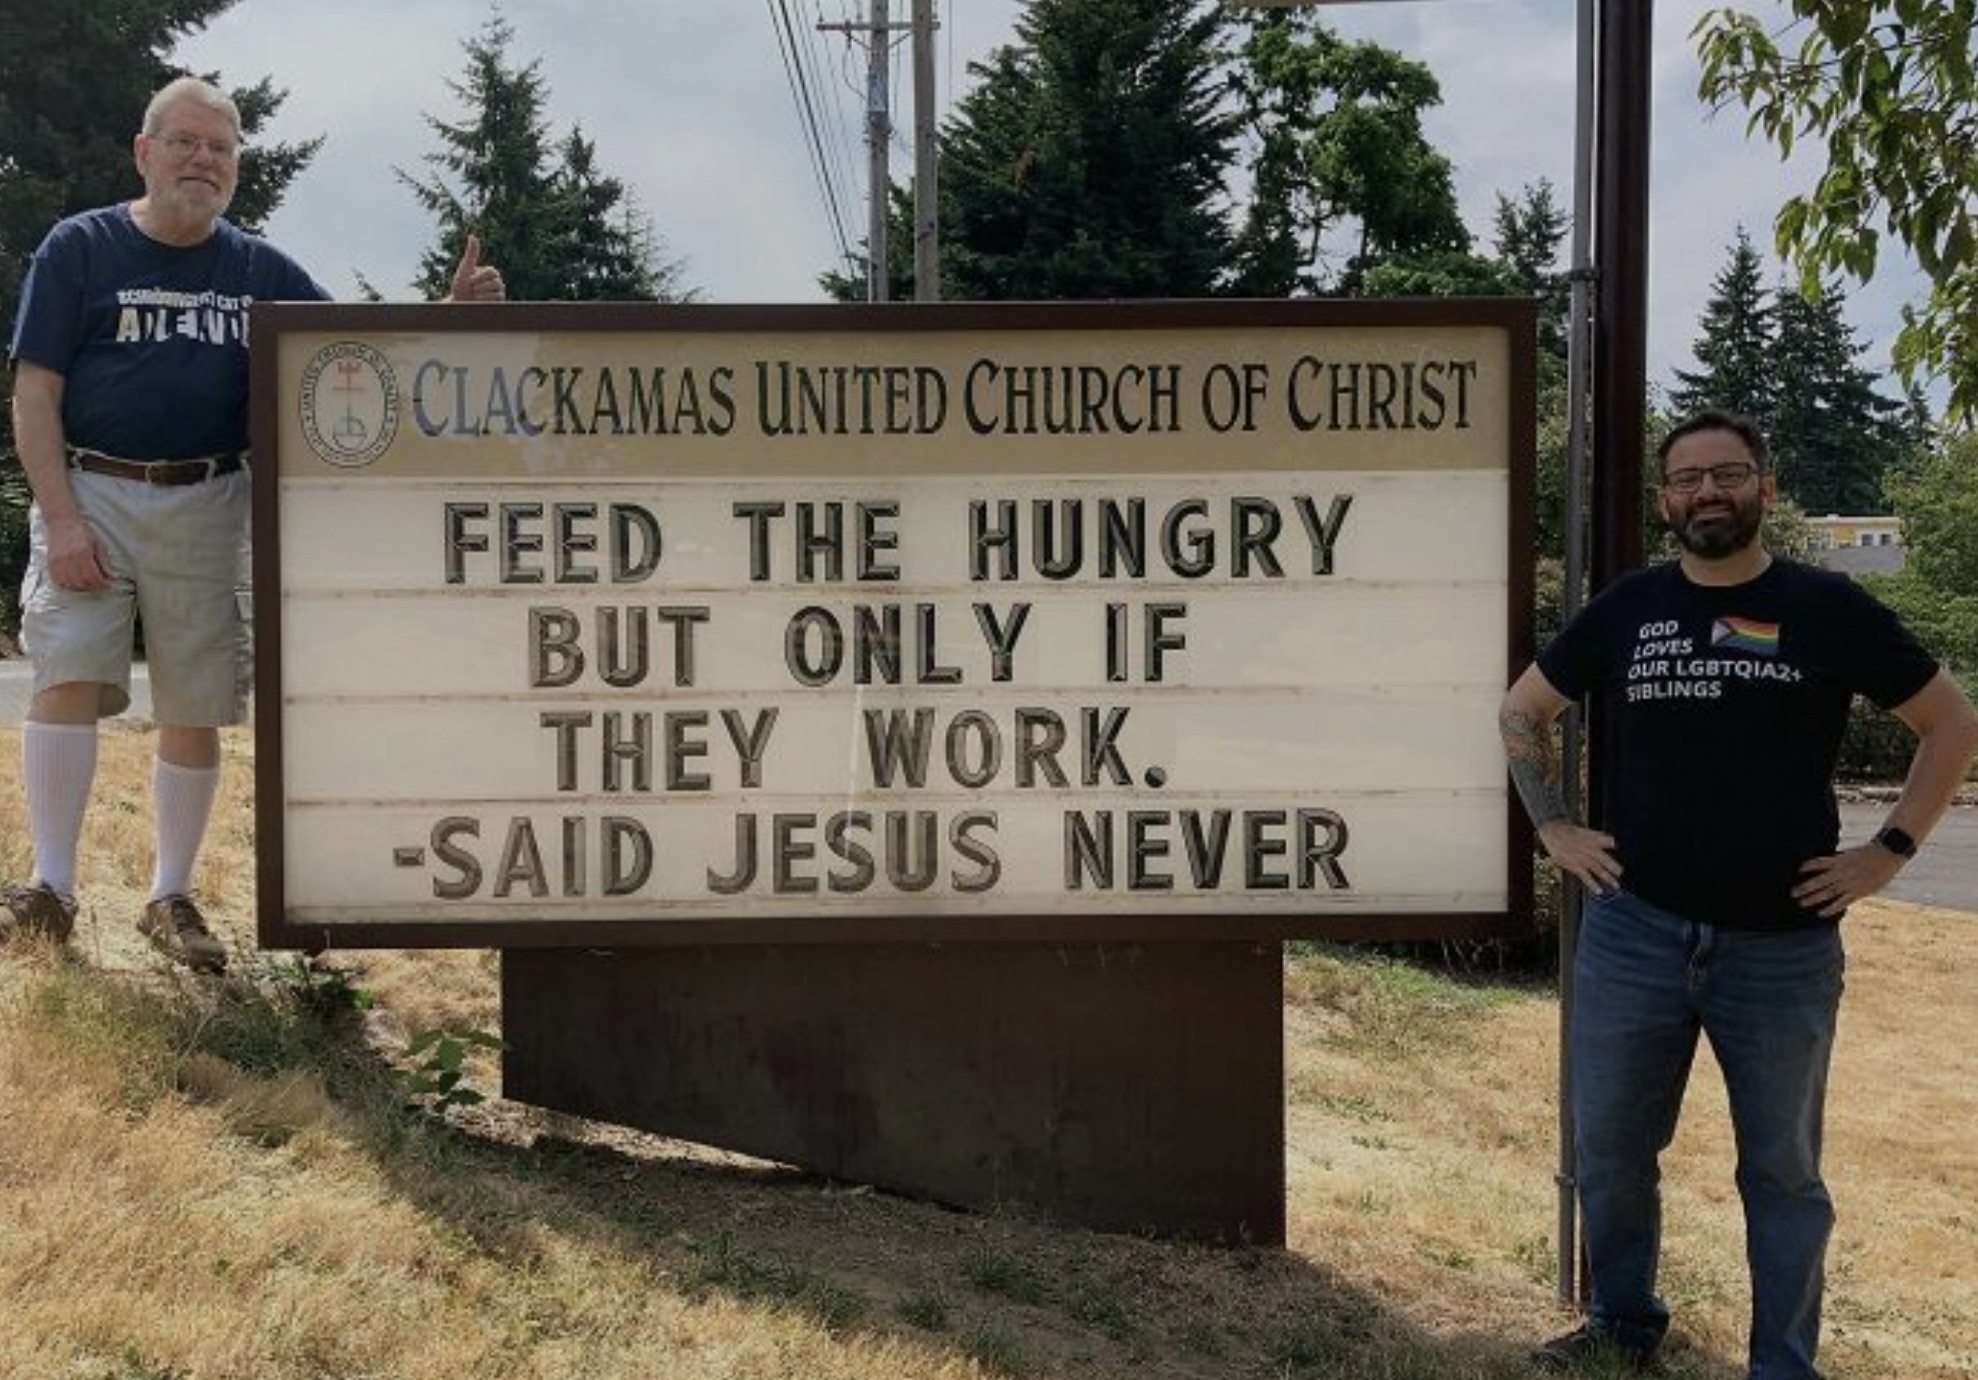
(172,473)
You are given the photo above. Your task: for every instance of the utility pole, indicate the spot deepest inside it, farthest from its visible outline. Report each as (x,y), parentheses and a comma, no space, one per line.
(926,228)
(878,29)
(878,131)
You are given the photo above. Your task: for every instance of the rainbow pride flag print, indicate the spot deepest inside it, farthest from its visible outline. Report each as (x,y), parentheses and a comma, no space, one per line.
(1746,634)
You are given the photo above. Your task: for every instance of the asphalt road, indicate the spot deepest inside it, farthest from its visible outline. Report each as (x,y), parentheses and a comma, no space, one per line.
(1944,874)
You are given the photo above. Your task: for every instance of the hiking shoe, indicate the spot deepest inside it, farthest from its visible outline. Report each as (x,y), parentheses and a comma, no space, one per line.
(1586,1347)
(176,929)
(36,909)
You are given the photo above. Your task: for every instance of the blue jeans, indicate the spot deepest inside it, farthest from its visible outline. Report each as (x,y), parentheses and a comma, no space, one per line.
(1646,982)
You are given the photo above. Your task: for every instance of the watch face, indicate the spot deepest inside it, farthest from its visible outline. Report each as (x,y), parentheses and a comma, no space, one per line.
(1897,841)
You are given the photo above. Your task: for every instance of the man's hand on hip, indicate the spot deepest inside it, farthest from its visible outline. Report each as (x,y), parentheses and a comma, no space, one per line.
(1830,885)
(1586,853)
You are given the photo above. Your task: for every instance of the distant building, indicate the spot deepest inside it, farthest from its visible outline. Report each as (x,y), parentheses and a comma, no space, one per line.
(1870,545)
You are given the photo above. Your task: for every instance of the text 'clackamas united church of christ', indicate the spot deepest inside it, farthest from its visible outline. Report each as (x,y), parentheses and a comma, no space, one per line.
(988,398)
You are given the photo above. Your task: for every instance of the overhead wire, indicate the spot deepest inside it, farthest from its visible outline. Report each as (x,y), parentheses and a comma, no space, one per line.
(798,77)
(848,118)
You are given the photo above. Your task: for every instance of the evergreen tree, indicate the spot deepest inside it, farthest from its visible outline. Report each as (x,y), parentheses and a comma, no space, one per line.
(74,81)
(608,247)
(851,285)
(1790,362)
(559,228)
(1916,424)
(1735,349)
(499,160)
(1089,161)
(1833,436)
(1529,233)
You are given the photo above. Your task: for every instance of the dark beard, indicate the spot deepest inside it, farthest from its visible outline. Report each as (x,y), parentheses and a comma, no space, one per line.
(1719,537)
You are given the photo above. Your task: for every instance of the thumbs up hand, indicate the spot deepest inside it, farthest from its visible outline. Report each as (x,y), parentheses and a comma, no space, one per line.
(474,281)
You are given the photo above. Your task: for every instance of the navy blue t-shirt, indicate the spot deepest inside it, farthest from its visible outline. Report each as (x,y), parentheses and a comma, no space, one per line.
(151,340)
(1728,704)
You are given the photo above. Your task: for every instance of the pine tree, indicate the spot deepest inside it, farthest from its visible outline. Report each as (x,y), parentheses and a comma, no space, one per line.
(1089,160)
(852,285)
(74,81)
(500,160)
(1735,348)
(1790,362)
(1086,162)
(608,249)
(1529,232)
(559,228)
(1833,436)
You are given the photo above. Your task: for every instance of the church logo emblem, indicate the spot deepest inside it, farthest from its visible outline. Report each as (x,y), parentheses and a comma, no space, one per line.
(350,404)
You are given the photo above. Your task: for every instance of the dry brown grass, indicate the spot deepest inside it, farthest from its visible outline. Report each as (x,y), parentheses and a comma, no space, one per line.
(206,1180)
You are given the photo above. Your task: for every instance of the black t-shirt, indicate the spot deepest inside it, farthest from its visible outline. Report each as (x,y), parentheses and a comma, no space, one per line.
(1727,705)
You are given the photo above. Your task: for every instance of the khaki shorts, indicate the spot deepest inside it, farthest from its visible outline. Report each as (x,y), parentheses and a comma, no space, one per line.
(177,558)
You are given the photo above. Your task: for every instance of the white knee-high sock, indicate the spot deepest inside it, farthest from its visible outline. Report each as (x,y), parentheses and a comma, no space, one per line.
(58,767)
(182,802)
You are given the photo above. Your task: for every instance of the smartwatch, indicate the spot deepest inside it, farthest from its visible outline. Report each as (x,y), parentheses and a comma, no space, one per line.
(1897,841)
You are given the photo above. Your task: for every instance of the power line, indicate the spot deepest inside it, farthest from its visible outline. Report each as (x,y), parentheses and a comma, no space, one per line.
(845,116)
(797,76)
(806,91)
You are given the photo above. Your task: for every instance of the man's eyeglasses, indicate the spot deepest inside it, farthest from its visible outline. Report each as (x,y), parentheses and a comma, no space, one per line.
(186,145)
(1733,474)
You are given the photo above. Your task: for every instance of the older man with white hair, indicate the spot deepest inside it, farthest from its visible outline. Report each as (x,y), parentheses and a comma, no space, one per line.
(130,413)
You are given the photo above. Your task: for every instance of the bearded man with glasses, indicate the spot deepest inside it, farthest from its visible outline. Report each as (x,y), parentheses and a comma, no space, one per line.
(130,413)
(1716,885)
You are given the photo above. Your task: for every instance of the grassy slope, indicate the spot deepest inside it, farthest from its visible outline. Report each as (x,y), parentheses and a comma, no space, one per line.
(208,1180)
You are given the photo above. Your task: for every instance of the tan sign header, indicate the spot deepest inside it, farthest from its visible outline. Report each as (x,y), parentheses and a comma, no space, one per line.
(622,404)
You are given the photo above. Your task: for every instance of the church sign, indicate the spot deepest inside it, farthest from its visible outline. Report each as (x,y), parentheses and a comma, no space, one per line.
(583,625)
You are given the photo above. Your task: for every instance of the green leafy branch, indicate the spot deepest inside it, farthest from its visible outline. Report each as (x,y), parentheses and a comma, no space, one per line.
(437,1069)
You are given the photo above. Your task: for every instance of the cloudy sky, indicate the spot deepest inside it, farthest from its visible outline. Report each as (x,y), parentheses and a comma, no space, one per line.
(689,103)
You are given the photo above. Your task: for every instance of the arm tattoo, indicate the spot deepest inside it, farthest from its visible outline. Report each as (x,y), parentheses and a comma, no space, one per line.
(1534,765)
